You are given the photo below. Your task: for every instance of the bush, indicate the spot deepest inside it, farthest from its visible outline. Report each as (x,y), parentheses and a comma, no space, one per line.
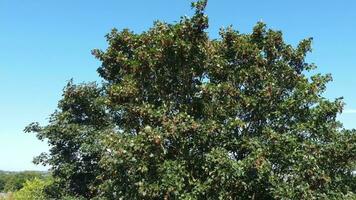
(32,190)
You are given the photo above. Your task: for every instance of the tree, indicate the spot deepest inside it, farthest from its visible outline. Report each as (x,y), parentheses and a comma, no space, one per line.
(32,190)
(35,189)
(73,134)
(13,181)
(183,116)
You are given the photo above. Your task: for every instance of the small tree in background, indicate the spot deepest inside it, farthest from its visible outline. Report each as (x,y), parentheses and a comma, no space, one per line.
(32,190)
(182,116)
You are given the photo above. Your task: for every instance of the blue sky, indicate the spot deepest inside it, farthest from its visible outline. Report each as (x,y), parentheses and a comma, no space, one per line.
(45,43)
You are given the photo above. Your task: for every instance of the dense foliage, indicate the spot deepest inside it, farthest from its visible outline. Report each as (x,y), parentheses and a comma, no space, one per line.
(182,116)
(13,181)
(32,190)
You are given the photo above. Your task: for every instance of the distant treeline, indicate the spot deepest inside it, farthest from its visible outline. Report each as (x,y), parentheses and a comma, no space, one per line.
(14,181)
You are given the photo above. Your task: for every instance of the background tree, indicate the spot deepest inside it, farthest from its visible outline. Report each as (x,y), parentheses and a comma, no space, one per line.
(182,116)
(32,190)
(35,189)
(13,181)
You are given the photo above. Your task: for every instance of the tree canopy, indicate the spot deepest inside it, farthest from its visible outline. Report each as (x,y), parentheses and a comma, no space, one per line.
(183,116)
(32,190)
(13,181)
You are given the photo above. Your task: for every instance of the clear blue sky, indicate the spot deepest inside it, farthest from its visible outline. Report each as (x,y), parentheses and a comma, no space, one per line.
(45,43)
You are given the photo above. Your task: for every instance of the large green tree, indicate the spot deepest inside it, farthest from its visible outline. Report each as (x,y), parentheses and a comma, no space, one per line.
(183,116)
